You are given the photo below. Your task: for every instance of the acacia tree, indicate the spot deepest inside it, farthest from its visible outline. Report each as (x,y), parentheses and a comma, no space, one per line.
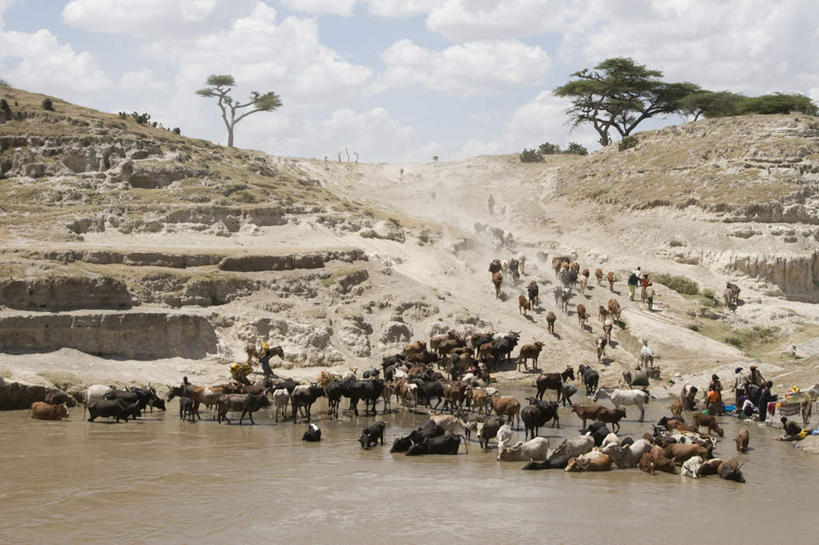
(619,93)
(219,86)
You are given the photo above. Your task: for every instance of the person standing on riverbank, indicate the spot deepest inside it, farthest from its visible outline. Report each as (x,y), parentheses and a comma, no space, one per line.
(739,387)
(765,398)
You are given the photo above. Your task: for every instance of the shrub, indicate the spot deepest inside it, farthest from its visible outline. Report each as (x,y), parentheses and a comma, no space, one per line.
(576,149)
(47,104)
(4,106)
(4,83)
(530,156)
(778,103)
(680,284)
(628,142)
(733,341)
(548,149)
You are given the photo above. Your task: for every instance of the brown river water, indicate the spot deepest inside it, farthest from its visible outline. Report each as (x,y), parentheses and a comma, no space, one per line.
(159,480)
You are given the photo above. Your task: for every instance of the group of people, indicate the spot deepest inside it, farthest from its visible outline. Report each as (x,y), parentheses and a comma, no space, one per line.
(744,401)
(639,278)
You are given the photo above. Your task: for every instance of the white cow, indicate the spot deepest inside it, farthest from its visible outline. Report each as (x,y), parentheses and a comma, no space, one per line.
(281,400)
(504,436)
(626,457)
(534,449)
(624,398)
(575,446)
(691,467)
(646,355)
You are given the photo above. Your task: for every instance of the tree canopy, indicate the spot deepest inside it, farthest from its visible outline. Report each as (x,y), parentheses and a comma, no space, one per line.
(220,86)
(619,94)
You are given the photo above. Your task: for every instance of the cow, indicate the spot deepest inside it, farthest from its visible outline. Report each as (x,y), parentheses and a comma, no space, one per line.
(646,355)
(575,446)
(436,340)
(627,456)
(586,412)
(614,309)
(372,434)
(497,281)
(550,322)
(582,316)
(506,406)
(610,278)
(598,431)
(553,381)
(536,414)
(454,395)
(523,304)
(731,471)
(655,459)
(565,295)
(186,409)
(676,408)
(488,430)
(444,444)
(681,452)
(534,449)
(479,339)
(601,343)
(592,461)
(449,345)
(602,313)
(312,434)
(479,400)
(112,408)
(368,390)
(281,399)
(742,440)
(246,403)
(55,396)
(590,378)
(413,347)
(533,292)
(691,467)
(598,274)
(450,423)
(495,265)
(429,389)
(40,410)
(611,416)
(624,397)
(529,352)
(304,396)
(502,348)
(709,422)
(552,462)
(429,430)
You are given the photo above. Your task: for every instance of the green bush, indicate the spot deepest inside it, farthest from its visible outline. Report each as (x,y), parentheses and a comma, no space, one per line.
(47,104)
(778,103)
(628,142)
(530,156)
(4,83)
(548,149)
(576,149)
(680,284)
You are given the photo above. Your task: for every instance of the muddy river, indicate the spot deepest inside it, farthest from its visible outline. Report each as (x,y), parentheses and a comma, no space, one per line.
(160,480)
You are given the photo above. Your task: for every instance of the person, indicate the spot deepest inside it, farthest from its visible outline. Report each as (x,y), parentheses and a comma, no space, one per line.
(633,280)
(792,429)
(491,204)
(747,409)
(644,284)
(755,377)
(650,296)
(765,398)
(739,387)
(689,402)
(713,396)
(264,358)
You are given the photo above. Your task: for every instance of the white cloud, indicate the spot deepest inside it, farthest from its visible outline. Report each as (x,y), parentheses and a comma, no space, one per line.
(466,20)
(266,54)
(541,120)
(41,63)
(143,80)
(465,69)
(322,7)
(400,8)
(154,18)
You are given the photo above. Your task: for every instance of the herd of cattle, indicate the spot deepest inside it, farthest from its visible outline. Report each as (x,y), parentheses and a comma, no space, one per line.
(473,410)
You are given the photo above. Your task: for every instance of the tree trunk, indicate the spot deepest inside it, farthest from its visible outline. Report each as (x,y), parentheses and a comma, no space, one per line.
(230,137)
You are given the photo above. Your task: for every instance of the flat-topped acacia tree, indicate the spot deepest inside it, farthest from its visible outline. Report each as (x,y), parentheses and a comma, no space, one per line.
(220,85)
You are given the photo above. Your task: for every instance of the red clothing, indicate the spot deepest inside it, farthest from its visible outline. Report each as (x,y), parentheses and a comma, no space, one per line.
(645,282)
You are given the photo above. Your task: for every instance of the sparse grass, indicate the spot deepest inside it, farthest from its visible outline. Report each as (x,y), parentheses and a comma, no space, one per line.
(61,380)
(678,283)
(342,271)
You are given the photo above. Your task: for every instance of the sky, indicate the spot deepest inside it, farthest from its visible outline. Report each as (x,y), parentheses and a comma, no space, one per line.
(394,80)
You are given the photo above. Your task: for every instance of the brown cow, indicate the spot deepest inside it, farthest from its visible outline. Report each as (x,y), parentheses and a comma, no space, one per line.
(550,322)
(676,408)
(41,410)
(709,422)
(447,347)
(582,316)
(610,278)
(586,412)
(655,459)
(679,425)
(530,352)
(480,400)
(614,309)
(486,352)
(497,280)
(436,340)
(586,273)
(611,416)
(680,452)
(607,327)
(598,274)
(523,304)
(454,394)
(591,461)
(742,440)
(602,313)
(574,267)
(506,406)
(417,346)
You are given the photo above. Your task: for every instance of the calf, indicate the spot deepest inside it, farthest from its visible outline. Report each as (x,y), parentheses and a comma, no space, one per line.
(676,408)
(655,459)
(581,315)
(445,444)
(523,304)
(312,435)
(601,342)
(742,440)
(372,434)
(598,274)
(41,410)
(550,322)
(497,281)
(602,313)
(709,422)
(535,449)
(529,352)
(610,278)
(590,378)
(281,399)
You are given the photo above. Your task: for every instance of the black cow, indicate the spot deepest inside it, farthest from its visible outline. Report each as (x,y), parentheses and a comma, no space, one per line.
(590,378)
(305,397)
(429,430)
(372,434)
(283,384)
(186,408)
(58,397)
(247,403)
(445,444)
(429,389)
(391,361)
(559,461)
(112,408)
(372,373)
(532,290)
(334,391)
(502,348)
(368,390)
(537,413)
(599,431)
(312,435)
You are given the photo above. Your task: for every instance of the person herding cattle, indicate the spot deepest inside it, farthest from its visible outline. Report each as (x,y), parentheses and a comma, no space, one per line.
(633,280)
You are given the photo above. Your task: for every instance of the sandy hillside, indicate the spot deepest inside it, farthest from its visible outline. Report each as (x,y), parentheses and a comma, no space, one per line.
(132,254)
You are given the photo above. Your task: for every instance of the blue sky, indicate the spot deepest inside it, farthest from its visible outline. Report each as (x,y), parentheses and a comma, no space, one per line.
(395,80)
